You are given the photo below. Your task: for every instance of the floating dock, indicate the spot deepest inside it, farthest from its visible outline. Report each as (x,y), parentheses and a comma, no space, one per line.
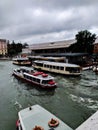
(38,116)
(90,124)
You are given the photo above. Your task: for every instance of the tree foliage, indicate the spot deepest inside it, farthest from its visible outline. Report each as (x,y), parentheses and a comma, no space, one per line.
(14,48)
(84,42)
(25,45)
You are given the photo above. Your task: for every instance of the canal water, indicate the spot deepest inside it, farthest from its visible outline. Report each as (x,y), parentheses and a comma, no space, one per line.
(73,101)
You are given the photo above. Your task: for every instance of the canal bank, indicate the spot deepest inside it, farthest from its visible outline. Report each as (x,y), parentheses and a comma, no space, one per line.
(73,101)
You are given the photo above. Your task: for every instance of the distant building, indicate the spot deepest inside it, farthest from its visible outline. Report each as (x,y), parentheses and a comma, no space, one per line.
(96,46)
(51,47)
(25,52)
(60,49)
(56,47)
(3,47)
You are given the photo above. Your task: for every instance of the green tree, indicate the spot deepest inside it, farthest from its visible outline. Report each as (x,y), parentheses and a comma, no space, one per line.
(84,41)
(14,48)
(25,45)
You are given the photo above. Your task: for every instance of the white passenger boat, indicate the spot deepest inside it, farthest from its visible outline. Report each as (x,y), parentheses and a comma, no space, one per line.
(38,118)
(34,77)
(57,67)
(21,61)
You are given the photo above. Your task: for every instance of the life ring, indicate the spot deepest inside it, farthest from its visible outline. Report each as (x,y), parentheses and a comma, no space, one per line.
(53,123)
(38,128)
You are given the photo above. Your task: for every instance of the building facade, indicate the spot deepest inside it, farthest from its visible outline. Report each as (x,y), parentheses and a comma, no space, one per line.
(96,46)
(3,47)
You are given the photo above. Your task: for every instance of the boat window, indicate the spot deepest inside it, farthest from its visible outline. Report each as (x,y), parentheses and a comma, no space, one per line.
(34,79)
(73,69)
(50,66)
(39,64)
(44,82)
(18,70)
(25,76)
(61,68)
(47,66)
(53,67)
(38,80)
(57,67)
(30,78)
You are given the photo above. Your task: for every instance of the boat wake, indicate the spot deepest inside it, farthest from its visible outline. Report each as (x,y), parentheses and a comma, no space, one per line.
(18,105)
(88,102)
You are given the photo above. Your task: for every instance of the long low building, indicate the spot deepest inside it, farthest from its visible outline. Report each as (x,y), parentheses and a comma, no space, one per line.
(56,47)
(51,47)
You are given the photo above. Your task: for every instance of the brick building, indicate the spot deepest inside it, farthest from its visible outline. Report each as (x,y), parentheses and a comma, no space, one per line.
(3,47)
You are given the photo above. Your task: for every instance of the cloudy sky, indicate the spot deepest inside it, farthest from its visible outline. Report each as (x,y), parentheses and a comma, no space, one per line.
(37,21)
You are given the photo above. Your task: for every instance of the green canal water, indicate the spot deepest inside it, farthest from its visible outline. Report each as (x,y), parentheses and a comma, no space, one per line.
(73,101)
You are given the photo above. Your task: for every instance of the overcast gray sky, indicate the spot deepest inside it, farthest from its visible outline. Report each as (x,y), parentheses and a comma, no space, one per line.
(36,21)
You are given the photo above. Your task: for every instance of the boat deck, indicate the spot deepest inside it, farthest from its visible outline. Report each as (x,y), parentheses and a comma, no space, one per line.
(39,116)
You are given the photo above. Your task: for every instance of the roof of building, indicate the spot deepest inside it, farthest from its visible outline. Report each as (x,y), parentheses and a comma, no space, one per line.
(51,45)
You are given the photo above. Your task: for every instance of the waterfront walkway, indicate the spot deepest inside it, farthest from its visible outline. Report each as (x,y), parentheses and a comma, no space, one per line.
(90,124)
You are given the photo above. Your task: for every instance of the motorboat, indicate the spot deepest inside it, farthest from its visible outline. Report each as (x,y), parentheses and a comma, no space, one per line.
(22,61)
(33,77)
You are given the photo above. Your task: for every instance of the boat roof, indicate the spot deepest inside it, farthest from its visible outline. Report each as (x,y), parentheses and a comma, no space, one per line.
(39,76)
(46,57)
(56,63)
(20,58)
(38,116)
(27,68)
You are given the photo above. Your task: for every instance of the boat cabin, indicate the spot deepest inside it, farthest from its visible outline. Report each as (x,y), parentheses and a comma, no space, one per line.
(57,67)
(22,61)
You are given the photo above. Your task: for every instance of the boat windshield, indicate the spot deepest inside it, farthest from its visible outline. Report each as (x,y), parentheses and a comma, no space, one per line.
(47,81)
(28,70)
